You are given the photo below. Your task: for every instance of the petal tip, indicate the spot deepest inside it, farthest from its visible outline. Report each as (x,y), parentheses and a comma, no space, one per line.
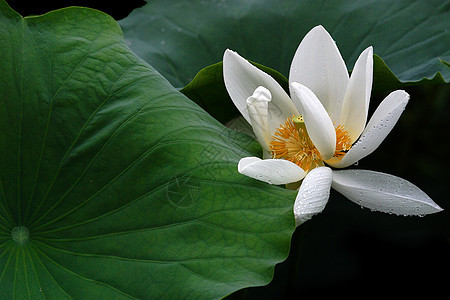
(435,209)
(405,95)
(399,96)
(230,54)
(319,28)
(261,94)
(370,54)
(299,89)
(226,53)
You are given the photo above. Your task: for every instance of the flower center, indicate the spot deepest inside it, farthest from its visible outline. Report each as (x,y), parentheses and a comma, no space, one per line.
(291,142)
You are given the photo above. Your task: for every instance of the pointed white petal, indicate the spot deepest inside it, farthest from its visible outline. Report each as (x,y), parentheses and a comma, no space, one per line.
(318,65)
(242,78)
(257,106)
(313,194)
(317,121)
(356,101)
(383,192)
(273,171)
(379,126)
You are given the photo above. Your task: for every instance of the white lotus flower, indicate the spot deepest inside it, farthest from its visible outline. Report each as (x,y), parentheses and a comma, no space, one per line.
(324,123)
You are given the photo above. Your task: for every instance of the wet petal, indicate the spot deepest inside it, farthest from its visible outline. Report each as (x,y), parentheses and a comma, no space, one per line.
(241,80)
(317,121)
(379,126)
(356,101)
(318,65)
(383,192)
(273,171)
(313,194)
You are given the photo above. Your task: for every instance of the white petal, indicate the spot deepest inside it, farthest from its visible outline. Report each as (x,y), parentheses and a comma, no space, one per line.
(257,106)
(356,101)
(383,192)
(273,171)
(317,121)
(318,65)
(242,78)
(379,126)
(313,194)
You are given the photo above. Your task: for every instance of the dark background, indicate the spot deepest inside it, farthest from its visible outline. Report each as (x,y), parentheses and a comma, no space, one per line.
(117,9)
(346,249)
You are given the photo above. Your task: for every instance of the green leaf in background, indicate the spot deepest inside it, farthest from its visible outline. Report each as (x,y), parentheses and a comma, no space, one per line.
(115,185)
(181,37)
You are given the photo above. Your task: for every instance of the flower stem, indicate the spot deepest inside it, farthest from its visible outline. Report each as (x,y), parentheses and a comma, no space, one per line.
(294,260)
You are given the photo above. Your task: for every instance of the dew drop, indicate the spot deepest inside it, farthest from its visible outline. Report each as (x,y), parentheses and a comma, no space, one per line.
(162,43)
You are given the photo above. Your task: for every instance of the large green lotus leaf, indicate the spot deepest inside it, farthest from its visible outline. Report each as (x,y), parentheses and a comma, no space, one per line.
(181,37)
(115,185)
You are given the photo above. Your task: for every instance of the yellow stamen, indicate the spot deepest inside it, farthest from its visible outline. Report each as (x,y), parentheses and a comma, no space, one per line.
(291,142)
(343,142)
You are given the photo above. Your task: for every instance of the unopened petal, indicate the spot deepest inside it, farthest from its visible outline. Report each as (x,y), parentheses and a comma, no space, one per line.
(318,65)
(357,97)
(379,126)
(313,194)
(241,80)
(257,106)
(273,171)
(317,121)
(383,192)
